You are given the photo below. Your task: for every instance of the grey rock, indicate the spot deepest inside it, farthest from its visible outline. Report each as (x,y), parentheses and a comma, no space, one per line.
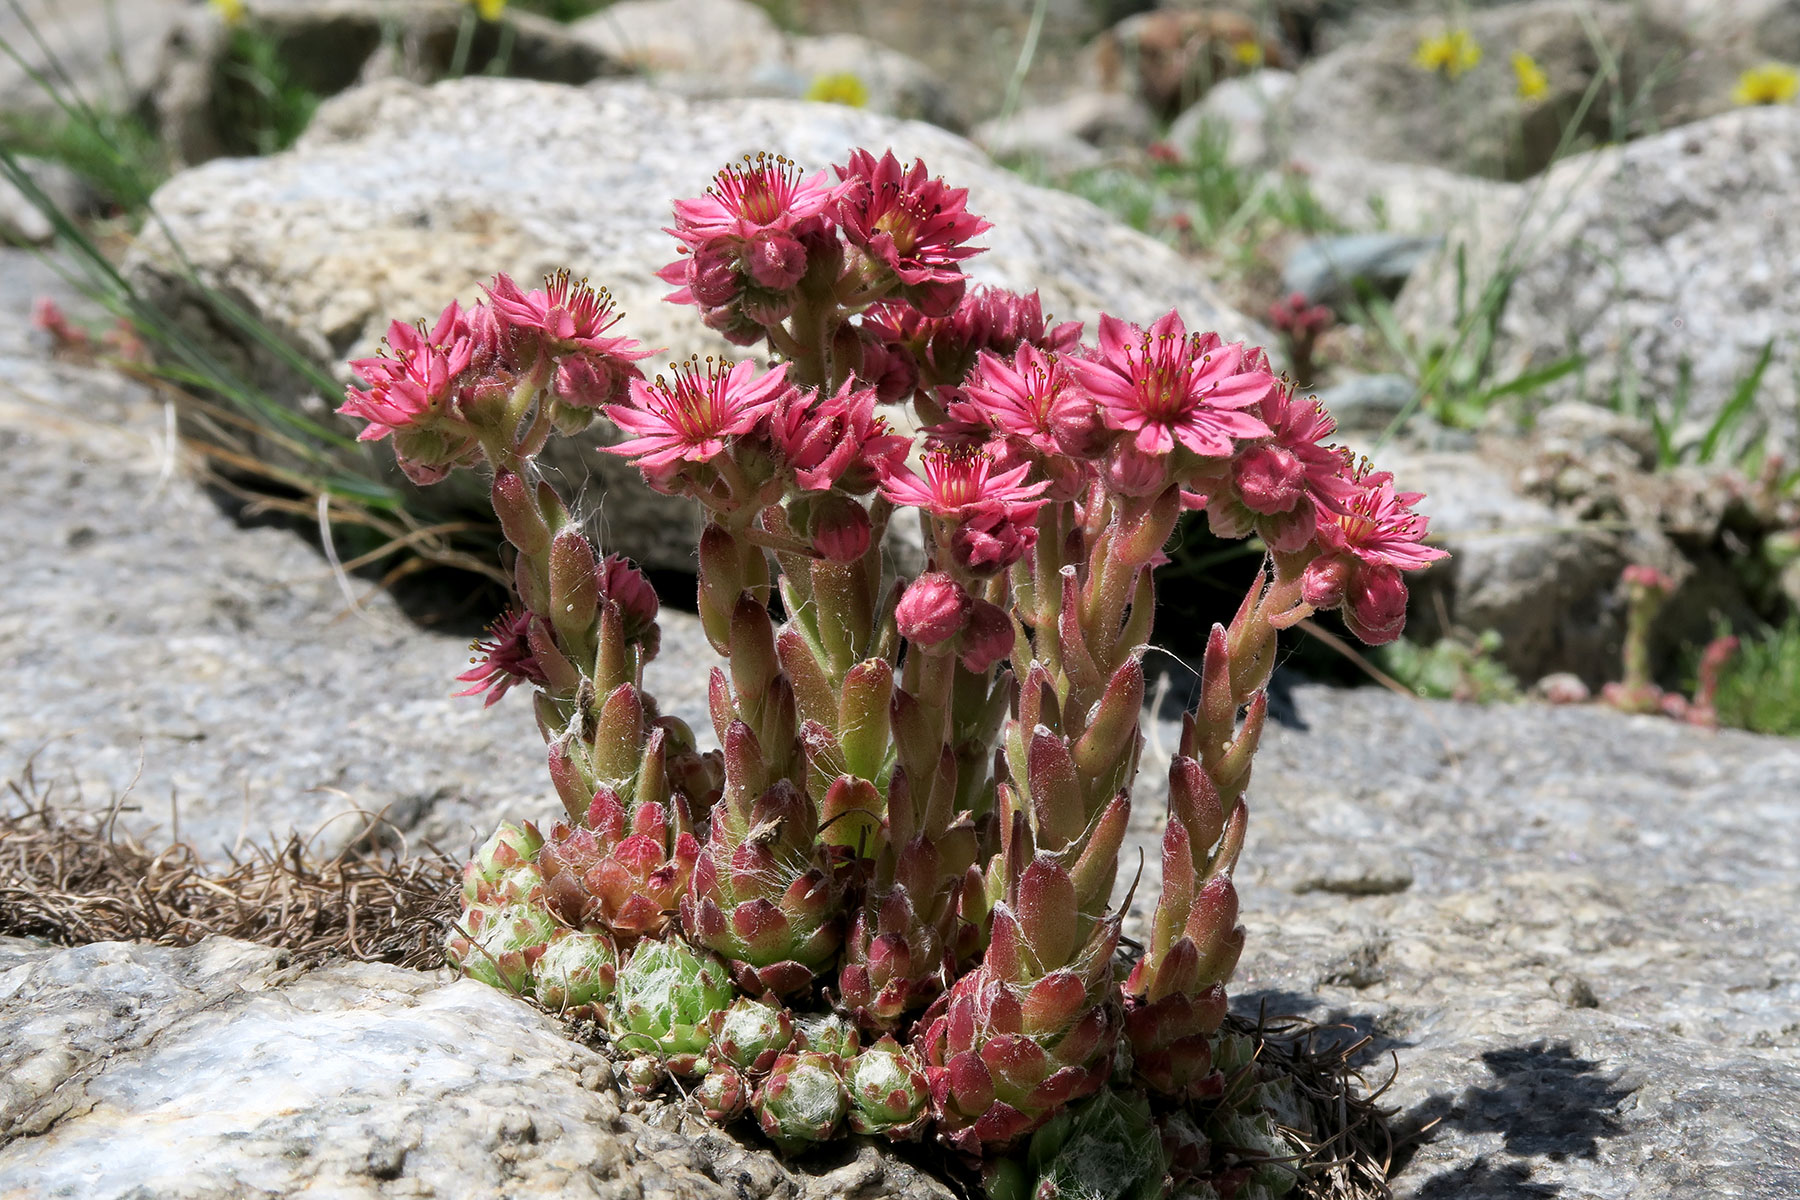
(1364,195)
(1594,975)
(400,198)
(1368,403)
(1368,99)
(215,1072)
(1069,134)
(1542,578)
(1250,112)
(715,49)
(1337,270)
(1588,432)
(1675,249)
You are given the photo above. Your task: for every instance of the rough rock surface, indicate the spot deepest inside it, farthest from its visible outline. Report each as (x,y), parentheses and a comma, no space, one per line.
(107,50)
(1675,249)
(401,197)
(216,1072)
(1368,98)
(711,49)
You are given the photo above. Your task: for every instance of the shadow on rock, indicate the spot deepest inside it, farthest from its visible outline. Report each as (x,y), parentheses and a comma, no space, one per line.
(1546,1102)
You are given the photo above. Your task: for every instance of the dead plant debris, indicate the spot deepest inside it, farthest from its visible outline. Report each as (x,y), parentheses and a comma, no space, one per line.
(74,878)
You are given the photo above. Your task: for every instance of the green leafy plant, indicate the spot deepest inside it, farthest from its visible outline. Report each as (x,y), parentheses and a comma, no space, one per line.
(1759,689)
(1453,668)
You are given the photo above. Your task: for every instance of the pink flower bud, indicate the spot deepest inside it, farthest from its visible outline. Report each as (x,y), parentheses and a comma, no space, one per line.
(933,609)
(1270,479)
(1639,575)
(1132,472)
(1375,605)
(712,276)
(584,381)
(1323,584)
(840,528)
(988,639)
(767,308)
(776,261)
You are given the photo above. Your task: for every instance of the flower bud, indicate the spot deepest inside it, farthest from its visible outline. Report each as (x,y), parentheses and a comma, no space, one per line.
(712,276)
(1375,605)
(767,308)
(988,637)
(775,261)
(1323,583)
(840,528)
(933,609)
(583,381)
(1270,479)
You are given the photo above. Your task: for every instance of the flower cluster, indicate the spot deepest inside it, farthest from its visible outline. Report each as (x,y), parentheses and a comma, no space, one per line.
(884,901)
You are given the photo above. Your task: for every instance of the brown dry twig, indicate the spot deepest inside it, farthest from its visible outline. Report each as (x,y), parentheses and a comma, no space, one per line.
(72,878)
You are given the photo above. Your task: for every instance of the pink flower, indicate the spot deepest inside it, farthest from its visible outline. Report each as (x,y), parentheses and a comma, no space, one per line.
(959,482)
(504,658)
(1277,486)
(1166,387)
(994,511)
(836,441)
(1378,526)
(1030,400)
(933,609)
(414,386)
(1638,575)
(766,194)
(688,419)
(915,225)
(986,318)
(562,317)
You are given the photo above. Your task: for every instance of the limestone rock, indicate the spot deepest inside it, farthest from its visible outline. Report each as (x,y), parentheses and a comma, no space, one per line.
(1069,134)
(214,1072)
(106,51)
(1335,270)
(1670,256)
(400,197)
(716,49)
(1368,99)
(1250,111)
(22,222)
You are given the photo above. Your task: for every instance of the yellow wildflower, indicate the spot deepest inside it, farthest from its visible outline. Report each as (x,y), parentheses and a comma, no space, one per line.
(1532,80)
(1769,83)
(489,10)
(1248,52)
(1453,53)
(231,10)
(839,87)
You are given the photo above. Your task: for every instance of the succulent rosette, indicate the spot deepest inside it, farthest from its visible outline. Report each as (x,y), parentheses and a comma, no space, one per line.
(576,971)
(722,1093)
(503,869)
(802,1102)
(622,874)
(888,1092)
(501,946)
(750,1034)
(664,1000)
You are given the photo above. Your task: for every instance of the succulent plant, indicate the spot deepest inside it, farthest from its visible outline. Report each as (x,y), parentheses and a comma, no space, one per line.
(617,873)
(664,1001)
(576,970)
(801,1102)
(826,1033)
(722,1093)
(764,896)
(750,1034)
(888,1092)
(503,870)
(1105,1148)
(500,946)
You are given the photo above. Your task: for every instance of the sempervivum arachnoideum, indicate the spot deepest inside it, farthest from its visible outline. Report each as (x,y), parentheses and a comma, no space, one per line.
(888,1092)
(1035,1025)
(501,946)
(751,1034)
(576,971)
(664,1000)
(764,895)
(802,1101)
(624,874)
(503,871)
